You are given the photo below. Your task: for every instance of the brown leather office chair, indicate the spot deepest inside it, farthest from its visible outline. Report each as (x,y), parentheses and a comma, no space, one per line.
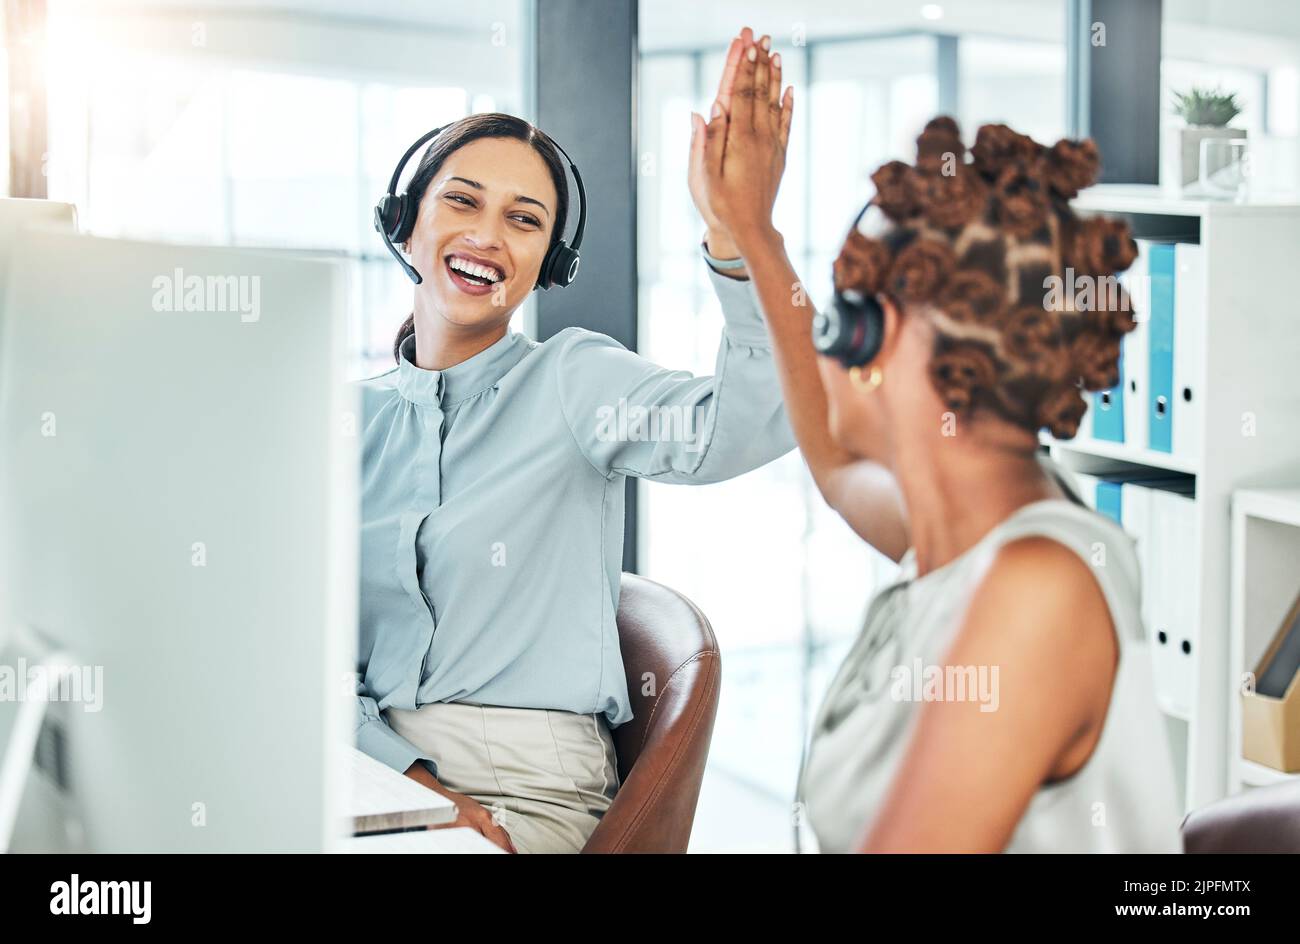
(662,750)
(1261,819)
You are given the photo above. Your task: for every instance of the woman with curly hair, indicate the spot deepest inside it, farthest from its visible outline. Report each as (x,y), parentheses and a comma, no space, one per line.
(999,694)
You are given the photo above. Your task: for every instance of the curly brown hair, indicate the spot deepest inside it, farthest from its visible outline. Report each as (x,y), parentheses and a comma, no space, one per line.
(977,238)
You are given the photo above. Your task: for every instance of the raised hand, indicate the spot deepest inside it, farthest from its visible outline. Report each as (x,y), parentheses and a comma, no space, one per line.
(745,148)
(695,174)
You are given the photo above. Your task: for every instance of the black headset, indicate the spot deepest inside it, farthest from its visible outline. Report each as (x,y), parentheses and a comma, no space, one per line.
(853,330)
(396,212)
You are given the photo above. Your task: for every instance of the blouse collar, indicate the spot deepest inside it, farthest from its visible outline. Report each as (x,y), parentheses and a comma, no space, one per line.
(455,383)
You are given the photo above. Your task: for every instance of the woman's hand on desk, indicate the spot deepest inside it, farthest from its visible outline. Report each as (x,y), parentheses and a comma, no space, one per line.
(469,812)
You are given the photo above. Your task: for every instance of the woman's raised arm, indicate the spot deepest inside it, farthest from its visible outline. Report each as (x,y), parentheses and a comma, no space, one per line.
(744,157)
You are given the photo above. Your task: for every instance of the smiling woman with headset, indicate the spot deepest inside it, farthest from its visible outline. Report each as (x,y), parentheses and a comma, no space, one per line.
(493,489)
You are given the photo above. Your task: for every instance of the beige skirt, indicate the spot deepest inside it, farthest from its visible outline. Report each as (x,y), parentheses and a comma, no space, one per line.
(547,776)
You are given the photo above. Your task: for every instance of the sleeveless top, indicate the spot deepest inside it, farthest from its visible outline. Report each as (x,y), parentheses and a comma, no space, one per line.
(1124,797)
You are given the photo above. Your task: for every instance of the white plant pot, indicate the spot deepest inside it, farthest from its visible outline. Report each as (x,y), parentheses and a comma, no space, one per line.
(1191,149)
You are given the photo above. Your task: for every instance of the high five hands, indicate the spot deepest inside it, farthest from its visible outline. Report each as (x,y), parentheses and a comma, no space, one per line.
(738,156)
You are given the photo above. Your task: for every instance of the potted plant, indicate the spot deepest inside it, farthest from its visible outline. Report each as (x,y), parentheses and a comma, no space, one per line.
(1206,113)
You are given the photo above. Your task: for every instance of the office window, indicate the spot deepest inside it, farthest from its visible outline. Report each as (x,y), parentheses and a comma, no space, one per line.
(867,101)
(289,153)
(1019,82)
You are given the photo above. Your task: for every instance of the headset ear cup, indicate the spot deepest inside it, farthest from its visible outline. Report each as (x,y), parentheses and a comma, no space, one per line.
(571,268)
(404,223)
(873,334)
(852,330)
(559,268)
(544,273)
(385,213)
(564,268)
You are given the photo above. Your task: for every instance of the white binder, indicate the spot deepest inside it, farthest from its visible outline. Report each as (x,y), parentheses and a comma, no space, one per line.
(1085,425)
(1170,609)
(1087,488)
(1135,508)
(1189,350)
(1137,397)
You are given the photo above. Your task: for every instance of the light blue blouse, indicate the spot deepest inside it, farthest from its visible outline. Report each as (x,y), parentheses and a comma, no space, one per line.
(492,511)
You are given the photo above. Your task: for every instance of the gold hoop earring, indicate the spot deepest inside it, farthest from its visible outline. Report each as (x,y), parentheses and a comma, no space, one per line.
(875,377)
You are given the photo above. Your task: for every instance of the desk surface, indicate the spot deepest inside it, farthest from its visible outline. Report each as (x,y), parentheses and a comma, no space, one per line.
(383,799)
(457,839)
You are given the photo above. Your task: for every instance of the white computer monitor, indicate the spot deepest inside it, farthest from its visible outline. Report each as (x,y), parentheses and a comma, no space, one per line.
(17,213)
(179,512)
(17,216)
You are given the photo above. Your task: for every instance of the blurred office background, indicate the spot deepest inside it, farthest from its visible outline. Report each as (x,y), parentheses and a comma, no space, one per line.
(277,123)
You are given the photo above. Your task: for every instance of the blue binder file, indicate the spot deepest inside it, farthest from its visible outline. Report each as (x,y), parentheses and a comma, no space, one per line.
(1108,500)
(1160,348)
(1108,409)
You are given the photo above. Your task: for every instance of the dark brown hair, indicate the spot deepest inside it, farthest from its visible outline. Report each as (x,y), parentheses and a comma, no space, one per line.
(460,133)
(978,237)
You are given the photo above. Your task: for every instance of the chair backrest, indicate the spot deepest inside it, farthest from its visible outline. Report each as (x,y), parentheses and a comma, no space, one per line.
(673,672)
(1262,819)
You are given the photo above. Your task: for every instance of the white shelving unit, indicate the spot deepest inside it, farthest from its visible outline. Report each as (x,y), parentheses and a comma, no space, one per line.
(1265,583)
(1251,372)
